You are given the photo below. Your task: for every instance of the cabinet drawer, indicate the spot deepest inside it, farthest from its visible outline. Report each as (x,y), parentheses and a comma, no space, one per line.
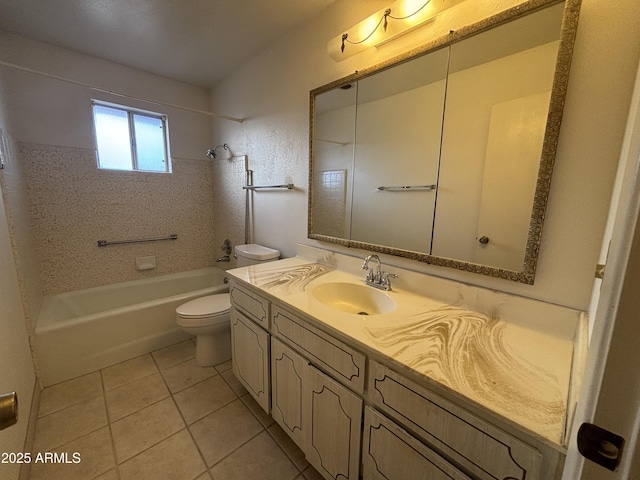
(339,360)
(484,450)
(251,304)
(390,453)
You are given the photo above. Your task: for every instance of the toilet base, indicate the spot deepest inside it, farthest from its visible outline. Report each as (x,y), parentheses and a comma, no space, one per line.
(213,349)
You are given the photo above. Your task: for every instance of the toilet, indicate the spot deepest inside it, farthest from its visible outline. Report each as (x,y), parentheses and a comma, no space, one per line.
(208,317)
(252,254)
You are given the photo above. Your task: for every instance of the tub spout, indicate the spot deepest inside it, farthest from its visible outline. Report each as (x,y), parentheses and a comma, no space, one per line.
(226,258)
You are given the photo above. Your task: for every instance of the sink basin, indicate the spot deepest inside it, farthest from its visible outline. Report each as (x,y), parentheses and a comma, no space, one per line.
(354,298)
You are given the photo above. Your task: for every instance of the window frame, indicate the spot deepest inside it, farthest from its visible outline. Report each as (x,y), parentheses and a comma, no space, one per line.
(131,111)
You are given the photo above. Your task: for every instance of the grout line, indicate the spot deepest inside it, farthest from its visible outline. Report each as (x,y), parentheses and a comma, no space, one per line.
(264,430)
(286,454)
(204,462)
(113,443)
(110,421)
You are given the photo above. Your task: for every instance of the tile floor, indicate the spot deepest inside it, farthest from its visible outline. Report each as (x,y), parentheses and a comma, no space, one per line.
(160,416)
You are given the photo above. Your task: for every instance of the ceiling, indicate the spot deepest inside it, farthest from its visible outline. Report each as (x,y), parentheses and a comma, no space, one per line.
(194,41)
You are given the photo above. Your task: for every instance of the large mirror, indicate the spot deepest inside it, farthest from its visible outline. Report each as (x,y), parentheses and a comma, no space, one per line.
(444,155)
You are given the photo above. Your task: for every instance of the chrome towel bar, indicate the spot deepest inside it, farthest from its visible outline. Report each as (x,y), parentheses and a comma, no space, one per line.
(288,186)
(104,243)
(409,187)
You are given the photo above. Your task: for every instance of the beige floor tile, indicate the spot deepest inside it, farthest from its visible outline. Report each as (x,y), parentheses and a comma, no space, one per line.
(185,374)
(223,367)
(259,459)
(174,354)
(290,448)
(221,432)
(204,398)
(110,475)
(141,430)
(71,392)
(95,455)
(204,476)
(234,383)
(175,458)
(135,396)
(70,423)
(126,372)
(261,415)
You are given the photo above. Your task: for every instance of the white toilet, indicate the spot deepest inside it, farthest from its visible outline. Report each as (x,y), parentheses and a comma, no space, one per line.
(253,253)
(208,317)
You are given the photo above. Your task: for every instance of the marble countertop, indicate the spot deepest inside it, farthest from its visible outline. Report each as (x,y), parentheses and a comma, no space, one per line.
(518,372)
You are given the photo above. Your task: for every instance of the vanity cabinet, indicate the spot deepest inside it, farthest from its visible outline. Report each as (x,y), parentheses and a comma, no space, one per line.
(315,408)
(334,419)
(323,417)
(342,362)
(477,446)
(250,345)
(250,357)
(287,377)
(390,453)
(315,388)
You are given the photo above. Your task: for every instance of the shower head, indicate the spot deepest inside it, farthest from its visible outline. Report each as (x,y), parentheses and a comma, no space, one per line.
(211,153)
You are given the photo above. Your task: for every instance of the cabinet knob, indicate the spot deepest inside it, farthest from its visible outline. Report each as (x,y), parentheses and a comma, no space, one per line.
(484,240)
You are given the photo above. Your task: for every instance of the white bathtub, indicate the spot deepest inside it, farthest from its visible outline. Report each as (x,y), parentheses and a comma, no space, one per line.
(85,330)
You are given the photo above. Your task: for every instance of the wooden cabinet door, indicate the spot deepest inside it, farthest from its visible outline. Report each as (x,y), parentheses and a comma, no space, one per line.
(250,355)
(390,453)
(334,418)
(287,376)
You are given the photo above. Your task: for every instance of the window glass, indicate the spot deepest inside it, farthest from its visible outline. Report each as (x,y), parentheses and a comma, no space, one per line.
(129,139)
(112,137)
(150,151)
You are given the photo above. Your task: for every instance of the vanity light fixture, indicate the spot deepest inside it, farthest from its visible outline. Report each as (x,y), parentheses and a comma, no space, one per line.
(401,17)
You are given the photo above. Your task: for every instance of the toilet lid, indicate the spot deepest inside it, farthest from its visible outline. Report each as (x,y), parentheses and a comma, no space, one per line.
(205,306)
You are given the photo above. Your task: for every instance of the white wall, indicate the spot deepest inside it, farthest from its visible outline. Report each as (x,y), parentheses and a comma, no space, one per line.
(272,93)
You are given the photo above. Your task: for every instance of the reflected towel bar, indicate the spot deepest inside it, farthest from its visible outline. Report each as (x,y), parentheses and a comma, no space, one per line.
(409,187)
(104,243)
(288,186)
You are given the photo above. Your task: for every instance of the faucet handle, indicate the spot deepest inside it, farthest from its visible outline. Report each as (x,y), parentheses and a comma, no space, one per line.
(384,278)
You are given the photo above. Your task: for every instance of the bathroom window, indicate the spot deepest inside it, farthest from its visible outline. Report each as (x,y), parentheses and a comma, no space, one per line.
(130,139)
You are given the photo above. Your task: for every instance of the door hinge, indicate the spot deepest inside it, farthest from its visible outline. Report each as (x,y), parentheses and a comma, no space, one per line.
(600,446)
(600,270)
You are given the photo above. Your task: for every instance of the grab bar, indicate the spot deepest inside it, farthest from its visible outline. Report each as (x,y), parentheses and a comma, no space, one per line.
(288,186)
(409,187)
(104,243)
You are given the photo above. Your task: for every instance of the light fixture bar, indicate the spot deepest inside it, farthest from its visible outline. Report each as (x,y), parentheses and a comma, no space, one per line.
(385,25)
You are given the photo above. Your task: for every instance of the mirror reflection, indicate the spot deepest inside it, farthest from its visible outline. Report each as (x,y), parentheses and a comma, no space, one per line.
(437,157)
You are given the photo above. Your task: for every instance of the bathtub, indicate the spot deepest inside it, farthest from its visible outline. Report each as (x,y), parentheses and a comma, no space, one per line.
(85,330)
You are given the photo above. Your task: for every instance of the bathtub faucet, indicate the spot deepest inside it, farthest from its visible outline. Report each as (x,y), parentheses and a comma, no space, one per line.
(226,258)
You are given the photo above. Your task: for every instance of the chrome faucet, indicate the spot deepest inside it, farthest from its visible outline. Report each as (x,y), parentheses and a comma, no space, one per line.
(378,279)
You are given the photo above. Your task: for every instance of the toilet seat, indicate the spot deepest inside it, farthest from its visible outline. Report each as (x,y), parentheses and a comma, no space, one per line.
(204,310)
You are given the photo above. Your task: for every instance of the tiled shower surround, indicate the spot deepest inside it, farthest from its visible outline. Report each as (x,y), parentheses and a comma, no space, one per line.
(73,204)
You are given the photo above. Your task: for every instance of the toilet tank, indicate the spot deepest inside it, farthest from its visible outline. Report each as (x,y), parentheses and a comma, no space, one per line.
(252,254)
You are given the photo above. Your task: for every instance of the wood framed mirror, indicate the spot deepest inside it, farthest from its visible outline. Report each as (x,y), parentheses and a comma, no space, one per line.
(445,154)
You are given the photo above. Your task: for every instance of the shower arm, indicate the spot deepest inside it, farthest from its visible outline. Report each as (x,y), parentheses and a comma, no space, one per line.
(211,153)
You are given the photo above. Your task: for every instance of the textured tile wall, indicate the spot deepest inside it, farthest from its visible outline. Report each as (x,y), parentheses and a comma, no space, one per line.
(22,237)
(73,204)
